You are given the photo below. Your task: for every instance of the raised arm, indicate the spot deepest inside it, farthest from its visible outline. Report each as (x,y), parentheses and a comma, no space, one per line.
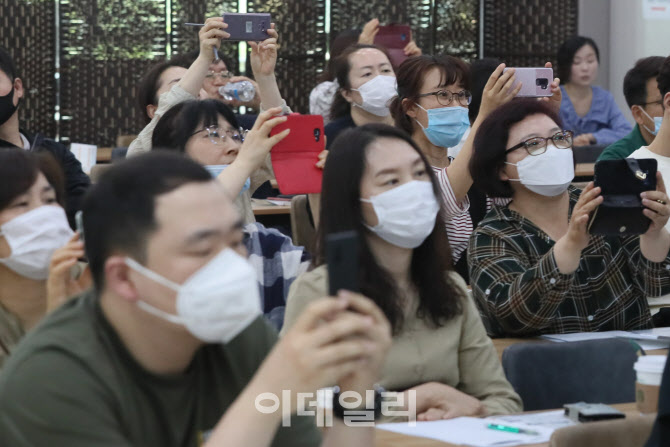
(263,63)
(498,91)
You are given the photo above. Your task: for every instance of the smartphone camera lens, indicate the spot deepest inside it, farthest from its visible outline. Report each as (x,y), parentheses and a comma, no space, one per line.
(403,37)
(542,82)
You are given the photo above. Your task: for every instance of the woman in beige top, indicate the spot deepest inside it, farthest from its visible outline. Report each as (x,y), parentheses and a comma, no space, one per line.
(38,250)
(378,183)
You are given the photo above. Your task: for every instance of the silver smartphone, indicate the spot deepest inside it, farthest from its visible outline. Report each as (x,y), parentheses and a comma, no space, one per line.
(535,82)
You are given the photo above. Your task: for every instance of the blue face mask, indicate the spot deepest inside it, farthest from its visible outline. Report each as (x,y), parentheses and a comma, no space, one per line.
(215,170)
(446,125)
(657,123)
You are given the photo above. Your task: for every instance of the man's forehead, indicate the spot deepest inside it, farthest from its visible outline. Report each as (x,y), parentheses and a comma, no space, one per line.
(195,203)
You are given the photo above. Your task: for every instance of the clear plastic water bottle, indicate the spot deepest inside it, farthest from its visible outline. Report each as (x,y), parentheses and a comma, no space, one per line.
(243,91)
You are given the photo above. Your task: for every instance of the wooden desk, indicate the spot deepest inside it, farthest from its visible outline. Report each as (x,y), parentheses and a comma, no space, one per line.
(385,438)
(104,155)
(264,208)
(584,169)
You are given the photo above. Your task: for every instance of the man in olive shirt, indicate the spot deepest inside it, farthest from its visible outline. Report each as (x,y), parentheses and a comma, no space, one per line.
(641,91)
(171,348)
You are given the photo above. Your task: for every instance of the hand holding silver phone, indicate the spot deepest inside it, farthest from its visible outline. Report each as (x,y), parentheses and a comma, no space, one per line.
(535,82)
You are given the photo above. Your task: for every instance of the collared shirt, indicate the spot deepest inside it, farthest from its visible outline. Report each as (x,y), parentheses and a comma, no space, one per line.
(277,263)
(625,146)
(520,291)
(604,119)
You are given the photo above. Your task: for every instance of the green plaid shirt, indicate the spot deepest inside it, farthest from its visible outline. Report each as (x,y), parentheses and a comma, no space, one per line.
(520,291)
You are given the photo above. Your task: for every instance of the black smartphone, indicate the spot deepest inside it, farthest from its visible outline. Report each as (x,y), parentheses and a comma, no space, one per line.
(247,26)
(342,262)
(621,183)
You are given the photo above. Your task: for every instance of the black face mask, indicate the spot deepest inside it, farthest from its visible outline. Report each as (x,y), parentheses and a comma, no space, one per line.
(7,107)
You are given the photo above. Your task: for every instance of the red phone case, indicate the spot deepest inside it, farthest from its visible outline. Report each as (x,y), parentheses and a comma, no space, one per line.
(294,158)
(394,38)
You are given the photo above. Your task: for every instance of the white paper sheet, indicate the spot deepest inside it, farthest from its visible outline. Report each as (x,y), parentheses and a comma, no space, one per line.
(86,154)
(471,432)
(647,339)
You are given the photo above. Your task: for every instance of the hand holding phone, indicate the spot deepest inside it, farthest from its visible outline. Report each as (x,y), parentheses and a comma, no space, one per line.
(394,38)
(535,82)
(247,26)
(294,159)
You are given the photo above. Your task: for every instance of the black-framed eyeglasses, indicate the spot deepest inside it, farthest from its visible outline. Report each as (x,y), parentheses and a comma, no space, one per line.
(216,136)
(538,145)
(445,97)
(224,75)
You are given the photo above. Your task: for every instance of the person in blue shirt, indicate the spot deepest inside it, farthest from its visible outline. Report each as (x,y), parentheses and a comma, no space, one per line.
(589,111)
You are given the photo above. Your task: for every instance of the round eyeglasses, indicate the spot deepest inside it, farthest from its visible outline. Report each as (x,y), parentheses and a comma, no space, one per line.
(538,145)
(445,97)
(224,75)
(217,136)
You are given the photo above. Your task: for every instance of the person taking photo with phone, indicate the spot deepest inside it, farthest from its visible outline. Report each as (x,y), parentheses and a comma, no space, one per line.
(534,267)
(378,184)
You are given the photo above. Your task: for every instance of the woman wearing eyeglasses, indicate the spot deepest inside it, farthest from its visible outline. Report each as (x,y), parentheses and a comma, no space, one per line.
(534,267)
(432,106)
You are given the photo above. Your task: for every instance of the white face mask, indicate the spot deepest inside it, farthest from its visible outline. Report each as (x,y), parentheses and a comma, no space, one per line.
(406,213)
(214,304)
(377,94)
(33,237)
(548,174)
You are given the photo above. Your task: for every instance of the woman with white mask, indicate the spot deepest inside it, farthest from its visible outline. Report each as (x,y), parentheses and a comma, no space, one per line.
(432,106)
(379,184)
(33,230)
(367,86)
(534,266)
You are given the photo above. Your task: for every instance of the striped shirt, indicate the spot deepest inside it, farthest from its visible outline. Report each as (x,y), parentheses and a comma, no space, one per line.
(520,291)
(456,215)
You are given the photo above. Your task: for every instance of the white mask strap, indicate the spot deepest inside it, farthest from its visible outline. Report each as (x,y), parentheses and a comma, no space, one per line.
(139,268)
(174,319)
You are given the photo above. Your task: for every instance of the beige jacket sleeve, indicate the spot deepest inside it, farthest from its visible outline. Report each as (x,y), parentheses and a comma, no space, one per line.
(307,287)
(167,100)
(481,373)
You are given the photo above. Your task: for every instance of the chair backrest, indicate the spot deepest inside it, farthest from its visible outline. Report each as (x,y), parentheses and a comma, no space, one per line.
(549,375)
(302,229)
(588,154)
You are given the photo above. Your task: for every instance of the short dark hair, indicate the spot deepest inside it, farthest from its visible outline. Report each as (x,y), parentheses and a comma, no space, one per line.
(341,107)
(480,72)
(180,122)
(410,76)
(635,81)
(439,296)
(7,65)
(19,169)
(118,211)
(663,78)
(488,156)
(566,55)
(149,85)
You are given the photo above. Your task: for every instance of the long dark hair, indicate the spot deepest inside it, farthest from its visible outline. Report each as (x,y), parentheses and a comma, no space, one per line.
(177,125)
(439,296)
(337,46)
(342,64)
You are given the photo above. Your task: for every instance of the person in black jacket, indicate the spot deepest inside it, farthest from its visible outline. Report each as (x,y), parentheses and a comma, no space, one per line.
(11,92)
